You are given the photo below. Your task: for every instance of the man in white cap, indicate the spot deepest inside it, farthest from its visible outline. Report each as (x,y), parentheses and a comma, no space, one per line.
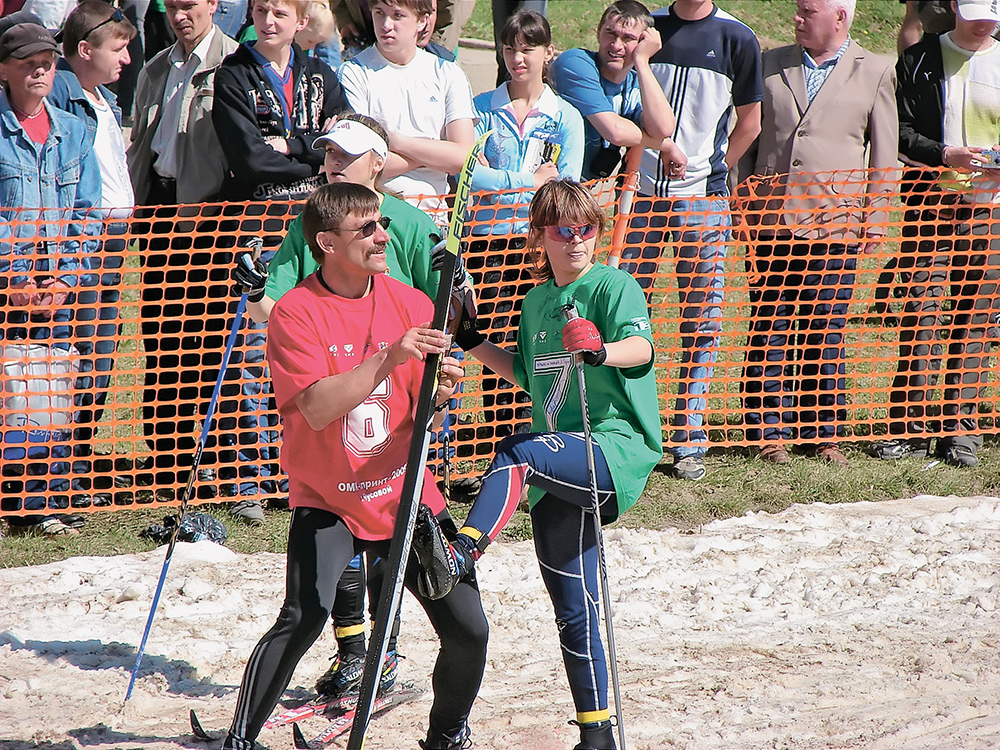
(356,149)
(949,116)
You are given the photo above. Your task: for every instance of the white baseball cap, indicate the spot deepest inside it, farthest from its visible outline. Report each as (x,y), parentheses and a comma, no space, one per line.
(354,138)
(979,10)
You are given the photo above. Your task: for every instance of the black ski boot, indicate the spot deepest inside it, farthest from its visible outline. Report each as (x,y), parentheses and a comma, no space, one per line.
(595,736)
(442,565)
(343,677)
(438,741)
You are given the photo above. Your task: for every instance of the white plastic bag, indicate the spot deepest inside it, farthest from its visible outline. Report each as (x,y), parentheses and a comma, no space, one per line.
(38,384)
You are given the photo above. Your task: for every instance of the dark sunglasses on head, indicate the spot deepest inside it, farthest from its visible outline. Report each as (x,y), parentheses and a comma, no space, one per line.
(566,234)
(367,229)
(116,17)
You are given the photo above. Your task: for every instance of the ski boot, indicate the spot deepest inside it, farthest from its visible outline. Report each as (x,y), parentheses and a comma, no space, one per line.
(438,741)
(595,736)
(442,565)
(344,677)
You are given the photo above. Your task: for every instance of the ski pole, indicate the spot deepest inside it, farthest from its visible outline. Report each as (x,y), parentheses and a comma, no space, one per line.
(256,245)
(416,463)
(569,313)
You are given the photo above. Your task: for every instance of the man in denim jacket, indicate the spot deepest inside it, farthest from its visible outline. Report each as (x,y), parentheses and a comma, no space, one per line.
(48,170)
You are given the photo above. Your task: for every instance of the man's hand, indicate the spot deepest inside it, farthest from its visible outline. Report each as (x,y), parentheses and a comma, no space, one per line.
(278,144)
(675,159)
(873,242)
(546,173)
(251,274)
(23,298)
(649,44)
(417,343)
(452,371)
(52,293)
(963,157)
(580,336)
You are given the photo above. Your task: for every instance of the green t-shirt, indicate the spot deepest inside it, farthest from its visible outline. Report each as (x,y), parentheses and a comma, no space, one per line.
(408,253)
(624,412)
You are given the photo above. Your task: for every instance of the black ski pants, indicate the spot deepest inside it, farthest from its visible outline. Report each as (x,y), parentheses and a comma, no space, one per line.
(320,546)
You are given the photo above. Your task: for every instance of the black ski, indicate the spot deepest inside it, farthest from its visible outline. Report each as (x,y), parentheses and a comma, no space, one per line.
(402,534)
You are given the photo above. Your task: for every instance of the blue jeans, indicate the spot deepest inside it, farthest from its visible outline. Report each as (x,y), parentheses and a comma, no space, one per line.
(36,453)
(700,231)
(256,440)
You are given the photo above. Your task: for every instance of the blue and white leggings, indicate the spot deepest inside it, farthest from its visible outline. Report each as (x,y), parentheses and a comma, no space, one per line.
(565,542)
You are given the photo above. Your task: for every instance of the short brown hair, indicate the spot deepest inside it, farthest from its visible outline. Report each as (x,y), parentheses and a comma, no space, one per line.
(419,7)
(329,205)
(559,202)
(627,12)
(301,6)
(91,20)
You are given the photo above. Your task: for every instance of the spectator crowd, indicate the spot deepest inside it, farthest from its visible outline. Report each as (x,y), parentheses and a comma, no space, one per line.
(360,110)
(223,100)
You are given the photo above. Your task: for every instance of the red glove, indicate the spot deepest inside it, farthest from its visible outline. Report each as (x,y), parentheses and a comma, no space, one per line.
(580,336)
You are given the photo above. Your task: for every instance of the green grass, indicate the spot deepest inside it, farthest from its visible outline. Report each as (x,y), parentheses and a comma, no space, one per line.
(574,22)
(735,485)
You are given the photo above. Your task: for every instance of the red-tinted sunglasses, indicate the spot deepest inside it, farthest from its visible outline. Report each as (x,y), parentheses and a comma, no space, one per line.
(566,234)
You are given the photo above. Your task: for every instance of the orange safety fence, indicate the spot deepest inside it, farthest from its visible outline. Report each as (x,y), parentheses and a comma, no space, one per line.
(815,320)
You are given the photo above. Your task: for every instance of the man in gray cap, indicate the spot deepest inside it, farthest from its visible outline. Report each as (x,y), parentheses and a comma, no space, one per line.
(46,161)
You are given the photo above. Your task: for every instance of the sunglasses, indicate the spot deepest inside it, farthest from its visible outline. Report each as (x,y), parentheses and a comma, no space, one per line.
(116,17)
(365,230)
(566,234)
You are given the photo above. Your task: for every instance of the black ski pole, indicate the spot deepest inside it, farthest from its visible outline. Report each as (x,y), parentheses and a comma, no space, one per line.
(416,463)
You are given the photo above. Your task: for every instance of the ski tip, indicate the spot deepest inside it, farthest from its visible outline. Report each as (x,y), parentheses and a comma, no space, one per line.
(197,729)
(298,738)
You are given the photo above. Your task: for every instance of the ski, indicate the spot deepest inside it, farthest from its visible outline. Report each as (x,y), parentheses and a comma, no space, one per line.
(402,534)
(340,724)
(198,730)
(317,706)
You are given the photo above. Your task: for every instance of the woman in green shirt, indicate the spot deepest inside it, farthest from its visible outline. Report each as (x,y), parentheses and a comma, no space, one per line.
(612,334)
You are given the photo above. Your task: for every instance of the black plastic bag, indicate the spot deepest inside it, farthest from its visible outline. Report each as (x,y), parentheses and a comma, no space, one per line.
(194,528)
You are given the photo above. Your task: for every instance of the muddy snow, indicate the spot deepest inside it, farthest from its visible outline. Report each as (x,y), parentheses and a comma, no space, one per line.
(866,625)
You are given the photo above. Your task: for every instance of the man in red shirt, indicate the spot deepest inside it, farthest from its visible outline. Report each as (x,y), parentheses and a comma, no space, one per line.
(346,348)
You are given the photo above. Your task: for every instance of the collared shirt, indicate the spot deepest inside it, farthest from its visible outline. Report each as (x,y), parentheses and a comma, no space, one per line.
(816,74)
(164,143)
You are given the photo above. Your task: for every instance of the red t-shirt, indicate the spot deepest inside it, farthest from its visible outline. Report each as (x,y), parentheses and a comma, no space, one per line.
(37,127)
(356,465)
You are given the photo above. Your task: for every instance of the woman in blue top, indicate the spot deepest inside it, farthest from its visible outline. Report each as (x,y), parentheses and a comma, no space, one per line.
(536,137)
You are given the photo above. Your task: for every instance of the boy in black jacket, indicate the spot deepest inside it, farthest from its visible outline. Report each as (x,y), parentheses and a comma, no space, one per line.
(271,103)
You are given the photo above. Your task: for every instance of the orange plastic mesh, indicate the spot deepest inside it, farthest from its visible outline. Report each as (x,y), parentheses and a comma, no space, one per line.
(853,338)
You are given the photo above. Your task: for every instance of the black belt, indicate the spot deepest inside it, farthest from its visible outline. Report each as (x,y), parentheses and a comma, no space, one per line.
(162,190)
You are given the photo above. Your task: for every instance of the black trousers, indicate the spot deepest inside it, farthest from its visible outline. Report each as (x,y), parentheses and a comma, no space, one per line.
(794,380)
(948,270)
(320,546)
(184,322)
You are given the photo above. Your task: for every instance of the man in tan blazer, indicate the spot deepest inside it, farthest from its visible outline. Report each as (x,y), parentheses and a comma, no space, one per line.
(830,135)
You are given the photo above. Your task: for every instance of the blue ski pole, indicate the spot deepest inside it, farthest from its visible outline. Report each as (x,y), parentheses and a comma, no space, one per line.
(256,245)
